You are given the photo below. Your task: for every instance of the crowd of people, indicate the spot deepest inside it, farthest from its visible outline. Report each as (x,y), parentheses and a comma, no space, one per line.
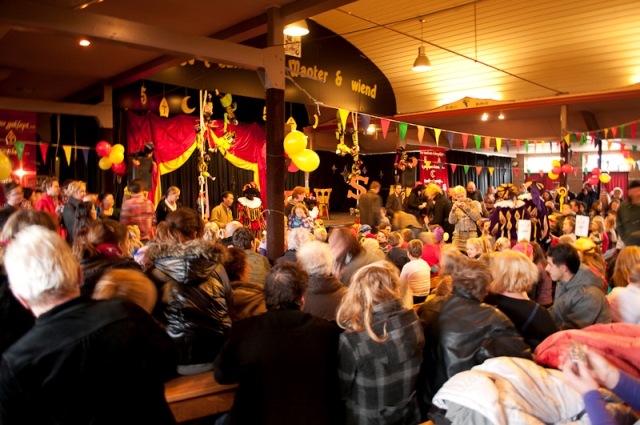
(368,323)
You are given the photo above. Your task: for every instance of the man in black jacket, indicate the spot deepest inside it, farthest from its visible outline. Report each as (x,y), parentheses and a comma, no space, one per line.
(84,361)
(394,201)
(284,360)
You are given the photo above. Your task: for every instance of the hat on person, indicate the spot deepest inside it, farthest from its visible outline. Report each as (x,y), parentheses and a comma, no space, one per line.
(584,244)
(632,184)
(365,228)
(439,232)
(507,191)
(525,248)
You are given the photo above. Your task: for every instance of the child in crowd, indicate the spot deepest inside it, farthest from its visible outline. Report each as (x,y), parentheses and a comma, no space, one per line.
(476,247)
(624,302)
(383,241)
(299,217)
(569,226)
(485,225)
(396,254)
(407,236)
(610,231)
(384,220)
(134,239)
(430,250)
(597,234)
(502,244)
(416,275)
(365,231)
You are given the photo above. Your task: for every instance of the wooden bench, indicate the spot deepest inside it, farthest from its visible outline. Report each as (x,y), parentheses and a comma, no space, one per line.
(198,396)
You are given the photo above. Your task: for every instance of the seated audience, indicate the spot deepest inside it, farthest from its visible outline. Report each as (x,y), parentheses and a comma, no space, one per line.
(476,247)
(590,256)
(620,269)
(431,250)
(85,215)
(130,284)
(259,266)
(299,217)
(168,203)
(513,275)
(543,289)
(284,360)
(502,244)
(372,247)
(396,254)
(248,297)
(348,254)
(383,241)
(211,232)
(325,291)
(296,238)
(229,230)
(108,209)
(416,274)
(624,301)
(320,233)
(105,247)
(407,236)
(109,357)
(461,332)
(193,287)
(579,301)
(380,350)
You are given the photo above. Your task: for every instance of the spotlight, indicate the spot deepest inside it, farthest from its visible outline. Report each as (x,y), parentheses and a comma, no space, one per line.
(485,116)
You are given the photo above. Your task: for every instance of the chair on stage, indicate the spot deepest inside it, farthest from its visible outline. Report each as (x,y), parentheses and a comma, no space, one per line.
(322,195)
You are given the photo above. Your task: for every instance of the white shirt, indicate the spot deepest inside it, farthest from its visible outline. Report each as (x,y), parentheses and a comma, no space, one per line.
(416,274)
(624,303)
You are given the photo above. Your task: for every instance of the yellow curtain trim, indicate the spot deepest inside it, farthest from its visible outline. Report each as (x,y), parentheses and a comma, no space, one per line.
(241,163)
(174,164)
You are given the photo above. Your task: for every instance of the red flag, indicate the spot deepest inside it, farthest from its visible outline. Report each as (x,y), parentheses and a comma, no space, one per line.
(384,123)
(43,150)
(633,130)
(464,140)
(478,169)
(487,142)
(516,170)
(453,167)
(518,144)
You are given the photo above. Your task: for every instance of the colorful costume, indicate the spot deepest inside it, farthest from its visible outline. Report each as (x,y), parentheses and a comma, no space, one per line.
(507,212)
(536,209)
(250,209)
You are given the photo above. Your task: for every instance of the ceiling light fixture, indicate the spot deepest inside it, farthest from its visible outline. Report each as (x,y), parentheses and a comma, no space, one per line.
(84,42)
(501,116)
(371,129)
(87,4)
(422,62)
(298,29)
(485,116)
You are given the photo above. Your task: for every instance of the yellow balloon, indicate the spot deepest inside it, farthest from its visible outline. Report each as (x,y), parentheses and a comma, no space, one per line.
(5,166)
(294,143)
(605,178)
(116,157)
(118,148)
(556,163)
(105,164)
(553,176)
(307,160)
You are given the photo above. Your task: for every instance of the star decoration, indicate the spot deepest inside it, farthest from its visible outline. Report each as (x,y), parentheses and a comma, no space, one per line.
(334,168)
(345,173)
(381,174)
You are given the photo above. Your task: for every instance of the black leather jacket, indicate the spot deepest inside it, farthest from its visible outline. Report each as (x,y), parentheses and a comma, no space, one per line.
(461,332)
(193,298)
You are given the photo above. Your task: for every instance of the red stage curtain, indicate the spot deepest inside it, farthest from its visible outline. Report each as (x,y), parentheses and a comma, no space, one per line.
(545,180)
(171,137)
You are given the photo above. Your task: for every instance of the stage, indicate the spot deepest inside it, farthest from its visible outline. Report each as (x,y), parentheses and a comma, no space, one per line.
(339,219)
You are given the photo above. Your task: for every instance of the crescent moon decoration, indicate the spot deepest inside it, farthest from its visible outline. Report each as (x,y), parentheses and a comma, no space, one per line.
(185,106)
(315,124)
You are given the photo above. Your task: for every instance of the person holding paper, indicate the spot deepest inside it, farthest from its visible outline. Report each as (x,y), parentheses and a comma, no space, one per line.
(508,211)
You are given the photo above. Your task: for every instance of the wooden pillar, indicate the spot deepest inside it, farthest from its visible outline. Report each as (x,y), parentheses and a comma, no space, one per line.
(274,83)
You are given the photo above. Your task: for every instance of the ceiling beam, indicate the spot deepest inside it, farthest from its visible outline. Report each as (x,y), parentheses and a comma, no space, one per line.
(103,111)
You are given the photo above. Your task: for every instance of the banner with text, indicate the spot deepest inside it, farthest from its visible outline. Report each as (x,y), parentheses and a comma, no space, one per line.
(433,166)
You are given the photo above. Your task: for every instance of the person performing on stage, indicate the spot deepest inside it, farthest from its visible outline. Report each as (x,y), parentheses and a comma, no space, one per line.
(250,209)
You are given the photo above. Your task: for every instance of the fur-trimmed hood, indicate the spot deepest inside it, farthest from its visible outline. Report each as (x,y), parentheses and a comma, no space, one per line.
(193,260)
(508,203)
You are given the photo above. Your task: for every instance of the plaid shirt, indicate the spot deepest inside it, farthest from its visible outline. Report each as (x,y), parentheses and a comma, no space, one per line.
(378,379)
(139,210)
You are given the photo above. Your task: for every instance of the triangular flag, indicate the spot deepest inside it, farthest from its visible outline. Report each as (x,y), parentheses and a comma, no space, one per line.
(478,169)
(366,120)
(384,123)
(567,139)
(464,141)
(420,133)
(67,153)
(633,130)
(487,142)
(622,131)
(43,151)
(541,173)
(402,127)
(606,133)
(508,144)
(343,114)
(575,171)
(427,164)
(614,131)
(450,137)
(453,167)
(529,173)
(526,146)
(551,146)
(437,132)
(491,170)
(518,145)
(477,141)
(85,153)
(542,145)
(498,143)
(19,149)
(583,139)
(635,148)
(622,147)
(515,171)
(466,168)
(609,143)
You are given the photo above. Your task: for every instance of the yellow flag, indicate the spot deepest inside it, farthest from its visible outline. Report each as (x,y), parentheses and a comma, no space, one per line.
(491,170)
(343,117)
(498,144)
(609,144)
(606,133)
(437,131)
(567,139)
(67,153)
(420,133)
(427,164)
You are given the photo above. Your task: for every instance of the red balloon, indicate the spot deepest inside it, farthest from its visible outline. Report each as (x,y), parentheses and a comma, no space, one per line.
(556,170)
(593,180)
(626,154)
(292,168)
(120,168)
(567,168)
(596,172)
(103,148)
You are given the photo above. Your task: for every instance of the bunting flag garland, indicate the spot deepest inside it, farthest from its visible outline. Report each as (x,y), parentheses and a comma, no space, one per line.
(426,164)
(609,143)
(541,173)
(542,145)
(526,146)
(402,127)
(85,154)
(420,133)
(43,150)
(633,130)
(516,171)
(384,123)
(366,120)
(575,171)
(450,137)
(478,169)
(67,153)
(466,169)
(622,131)
(19,149)
(606,133)
(508,141)
(498,143)
(344,114)
(518,145)
(453,167)
(437,133)
(464,140)
(477,141)
(614,131)
(487,142)
(491,170)
(528,173)
(635,148)
(567,139)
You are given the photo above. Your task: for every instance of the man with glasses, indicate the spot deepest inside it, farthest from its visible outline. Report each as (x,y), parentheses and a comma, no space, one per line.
(14,196)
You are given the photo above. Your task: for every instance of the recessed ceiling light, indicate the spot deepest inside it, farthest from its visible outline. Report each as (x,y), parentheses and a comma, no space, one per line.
(84,42)
(485,116)
(501,116)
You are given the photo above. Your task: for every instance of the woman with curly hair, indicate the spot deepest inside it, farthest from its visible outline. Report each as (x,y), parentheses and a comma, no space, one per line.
(627,259)
(380,351)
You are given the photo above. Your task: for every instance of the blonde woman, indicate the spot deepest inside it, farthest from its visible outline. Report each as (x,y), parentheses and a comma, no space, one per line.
(441,208)
(464,214)
(627,259)
(514,274)
(380,351)
(76,190)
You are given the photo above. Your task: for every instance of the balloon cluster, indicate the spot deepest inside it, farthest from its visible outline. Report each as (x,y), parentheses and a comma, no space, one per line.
(295,146)
(559,168)
(598,175)
(111,157)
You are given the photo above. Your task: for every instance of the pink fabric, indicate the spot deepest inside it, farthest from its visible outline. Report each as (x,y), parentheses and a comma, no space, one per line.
(619,343)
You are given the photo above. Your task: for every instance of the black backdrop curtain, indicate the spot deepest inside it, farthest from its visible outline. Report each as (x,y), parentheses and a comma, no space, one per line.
(502,170)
